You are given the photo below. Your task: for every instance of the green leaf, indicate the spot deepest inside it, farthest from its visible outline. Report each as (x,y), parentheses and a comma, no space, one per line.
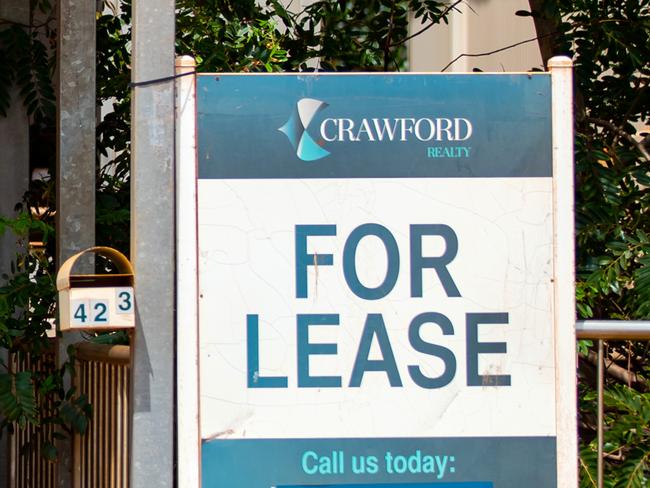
(49,451)
(76,412)
(18,397)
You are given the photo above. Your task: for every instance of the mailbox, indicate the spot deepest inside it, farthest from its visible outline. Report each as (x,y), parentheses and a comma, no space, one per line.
(97,301)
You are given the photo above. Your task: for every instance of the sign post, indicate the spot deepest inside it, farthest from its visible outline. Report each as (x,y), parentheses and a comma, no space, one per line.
(377,259)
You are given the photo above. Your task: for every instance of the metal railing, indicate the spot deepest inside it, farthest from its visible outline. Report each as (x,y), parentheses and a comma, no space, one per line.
(101,455)
(601,330)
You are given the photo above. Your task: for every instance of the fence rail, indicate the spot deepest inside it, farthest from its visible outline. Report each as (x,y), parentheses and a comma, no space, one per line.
(613,329)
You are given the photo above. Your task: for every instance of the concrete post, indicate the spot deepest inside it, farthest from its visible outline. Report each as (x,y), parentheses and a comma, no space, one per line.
(152,245)
(75,184)
(76,118)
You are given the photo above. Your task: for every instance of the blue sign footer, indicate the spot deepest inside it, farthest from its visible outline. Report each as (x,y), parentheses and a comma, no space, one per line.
(456,462)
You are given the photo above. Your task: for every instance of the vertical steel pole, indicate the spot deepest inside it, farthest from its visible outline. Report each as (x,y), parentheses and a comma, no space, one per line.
(564,272)
(75,176)
(152,245)
(600,387)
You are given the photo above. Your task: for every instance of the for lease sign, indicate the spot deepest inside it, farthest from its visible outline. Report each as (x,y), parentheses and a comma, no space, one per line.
(376,263)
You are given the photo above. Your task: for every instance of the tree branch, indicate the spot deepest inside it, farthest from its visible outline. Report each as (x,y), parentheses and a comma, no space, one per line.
(11,22)
(49,19)
(477,55)
(426,28)
(389,36)
(621,133)
(545,28)
(626,377)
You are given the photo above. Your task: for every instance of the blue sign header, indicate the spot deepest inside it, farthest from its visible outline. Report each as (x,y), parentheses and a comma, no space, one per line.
(374,126)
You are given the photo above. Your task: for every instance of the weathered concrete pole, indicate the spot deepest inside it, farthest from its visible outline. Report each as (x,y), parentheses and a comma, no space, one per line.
(75,175)
(152,244)
(76,120)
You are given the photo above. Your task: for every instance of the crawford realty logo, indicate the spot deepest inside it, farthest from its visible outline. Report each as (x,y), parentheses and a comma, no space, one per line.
(398,129)
(296,129)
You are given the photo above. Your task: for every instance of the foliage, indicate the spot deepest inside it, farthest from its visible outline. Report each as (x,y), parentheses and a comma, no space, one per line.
(626,421)
(608,43)
(114,130)
(613,198)
(32,387)
(230,37)
(28,63)
(249,36)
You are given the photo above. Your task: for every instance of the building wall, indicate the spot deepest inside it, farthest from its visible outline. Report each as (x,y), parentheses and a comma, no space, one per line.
(15,10)
(479,26)
(14,171)
(14,146)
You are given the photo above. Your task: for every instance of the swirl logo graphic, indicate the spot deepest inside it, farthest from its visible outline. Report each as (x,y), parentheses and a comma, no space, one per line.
(296,129)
